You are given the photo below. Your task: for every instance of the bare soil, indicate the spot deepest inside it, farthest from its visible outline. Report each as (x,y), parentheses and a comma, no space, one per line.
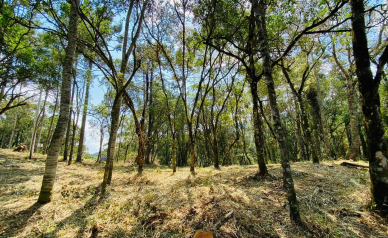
(333,201)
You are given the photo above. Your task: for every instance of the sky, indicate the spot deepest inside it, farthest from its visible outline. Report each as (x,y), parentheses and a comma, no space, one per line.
(92,136)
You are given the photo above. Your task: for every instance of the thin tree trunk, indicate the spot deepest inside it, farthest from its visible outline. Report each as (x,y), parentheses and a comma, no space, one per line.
(84,114)
(150,122)
(101,140)
(322,113)
(35,128)
(365,152)
(51,125)
(173,154)
(192,154)
(13,130)
(42,121)
(66,150)
(354,142)
(115,121)
(288,183)
(45,195)
(74,132)
(16,120)
(126,153)
(299,132)
(316,125)
(354,146)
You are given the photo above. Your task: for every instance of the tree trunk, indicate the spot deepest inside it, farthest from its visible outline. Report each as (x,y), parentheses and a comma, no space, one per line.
(173,154)
(307,130)
(66,150)
(288,182)
(101,140)
(45,195)
(311,95)
(84,114)
(115,121)
(51,125)
(258,130)
(370,99)
(13,130)
(301,143)
(74,132)
(140,154)
(192,154)
(150,122)
(215,148)
(42,121)
(322,113)
(354,146)
(365,151)
(35,128)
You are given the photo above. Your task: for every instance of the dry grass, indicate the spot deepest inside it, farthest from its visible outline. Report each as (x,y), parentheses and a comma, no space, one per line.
(333,201)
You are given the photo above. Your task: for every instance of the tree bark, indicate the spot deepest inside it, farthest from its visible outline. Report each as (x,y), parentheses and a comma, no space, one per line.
(45,195)
(288,183)
(101,140)
(74,132)
(115,121)
(149,147)
(84,114)
(42,121)
(312,98)
(35,128)
(66,150)
(370,99)
(51,125)
(258,130)
(354,147)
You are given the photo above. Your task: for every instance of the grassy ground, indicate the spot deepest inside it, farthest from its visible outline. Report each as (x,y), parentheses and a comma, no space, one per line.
(333,201)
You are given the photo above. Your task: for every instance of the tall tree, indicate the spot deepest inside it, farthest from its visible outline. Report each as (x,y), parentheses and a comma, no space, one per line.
(370,100)
(84,113)
(45,194)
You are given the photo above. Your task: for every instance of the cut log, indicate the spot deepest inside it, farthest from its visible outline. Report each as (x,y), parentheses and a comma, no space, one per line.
(354,165)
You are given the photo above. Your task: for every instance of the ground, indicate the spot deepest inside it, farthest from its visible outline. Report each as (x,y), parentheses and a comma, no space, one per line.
(333,201)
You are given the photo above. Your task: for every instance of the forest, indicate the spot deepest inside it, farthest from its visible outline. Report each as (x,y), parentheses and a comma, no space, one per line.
(193,118)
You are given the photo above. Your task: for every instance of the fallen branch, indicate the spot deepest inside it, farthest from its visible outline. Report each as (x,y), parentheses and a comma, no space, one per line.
(354,165)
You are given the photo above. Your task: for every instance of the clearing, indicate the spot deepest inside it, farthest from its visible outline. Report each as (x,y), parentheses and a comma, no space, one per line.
(333,201)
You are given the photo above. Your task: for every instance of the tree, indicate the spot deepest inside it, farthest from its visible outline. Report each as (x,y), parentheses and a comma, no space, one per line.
(370,100)
(45,194)
(84,113)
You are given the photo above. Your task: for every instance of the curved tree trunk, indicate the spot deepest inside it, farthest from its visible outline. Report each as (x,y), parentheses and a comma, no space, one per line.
(45,194)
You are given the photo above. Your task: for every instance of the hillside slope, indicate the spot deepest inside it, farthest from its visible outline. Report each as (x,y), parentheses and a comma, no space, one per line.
(333,200)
